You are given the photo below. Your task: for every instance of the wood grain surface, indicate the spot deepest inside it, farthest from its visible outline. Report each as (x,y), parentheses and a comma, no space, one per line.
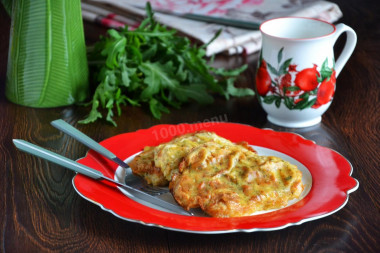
(41,212)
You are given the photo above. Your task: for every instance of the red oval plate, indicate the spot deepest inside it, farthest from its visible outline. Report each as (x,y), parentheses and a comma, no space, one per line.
(330,172)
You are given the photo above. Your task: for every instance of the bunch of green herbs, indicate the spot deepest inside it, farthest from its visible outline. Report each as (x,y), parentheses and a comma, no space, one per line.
(152,65)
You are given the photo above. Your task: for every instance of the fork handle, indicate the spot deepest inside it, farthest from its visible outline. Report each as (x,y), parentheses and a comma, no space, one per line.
(84,139)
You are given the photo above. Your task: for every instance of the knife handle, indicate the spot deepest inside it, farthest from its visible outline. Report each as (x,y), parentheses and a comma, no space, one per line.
(56,158)
(87,171)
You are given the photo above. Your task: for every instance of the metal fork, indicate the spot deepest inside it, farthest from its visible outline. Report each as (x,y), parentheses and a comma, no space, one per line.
(130,179)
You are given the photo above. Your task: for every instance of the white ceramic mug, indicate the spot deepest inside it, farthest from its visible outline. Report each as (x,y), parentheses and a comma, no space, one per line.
(296,75)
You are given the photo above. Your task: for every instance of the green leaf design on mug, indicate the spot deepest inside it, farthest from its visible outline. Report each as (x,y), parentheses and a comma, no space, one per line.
(326,72)
(284,67)
(279,55)
(272,69)
(283,88)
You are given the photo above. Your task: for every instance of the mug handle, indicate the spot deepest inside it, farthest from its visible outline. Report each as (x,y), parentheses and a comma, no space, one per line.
(348,47)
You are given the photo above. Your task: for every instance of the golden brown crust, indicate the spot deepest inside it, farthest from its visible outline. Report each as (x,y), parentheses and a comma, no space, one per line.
(157,164)
(143,165)
(230,181)
(223,178)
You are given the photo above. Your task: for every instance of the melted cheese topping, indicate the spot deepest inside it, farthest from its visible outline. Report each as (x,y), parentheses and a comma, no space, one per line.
(231,181)
(157,164)
(223,178)
(167,156)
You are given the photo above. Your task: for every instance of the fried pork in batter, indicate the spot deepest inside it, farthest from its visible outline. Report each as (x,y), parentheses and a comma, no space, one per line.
(223,178)
(231,181)
(157,164)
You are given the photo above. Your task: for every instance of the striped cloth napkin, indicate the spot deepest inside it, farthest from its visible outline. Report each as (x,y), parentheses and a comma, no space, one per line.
(234,39)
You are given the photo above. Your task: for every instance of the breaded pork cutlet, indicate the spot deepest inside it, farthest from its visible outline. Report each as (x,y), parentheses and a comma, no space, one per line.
(230,181)
(157,164)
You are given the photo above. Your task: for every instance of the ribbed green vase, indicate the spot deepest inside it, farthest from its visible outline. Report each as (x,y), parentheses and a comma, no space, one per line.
(47,64)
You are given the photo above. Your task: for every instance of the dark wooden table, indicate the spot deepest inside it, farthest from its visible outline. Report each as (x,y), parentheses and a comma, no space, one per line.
(41,212)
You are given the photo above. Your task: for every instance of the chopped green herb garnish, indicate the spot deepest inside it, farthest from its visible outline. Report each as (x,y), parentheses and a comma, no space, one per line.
(152,65)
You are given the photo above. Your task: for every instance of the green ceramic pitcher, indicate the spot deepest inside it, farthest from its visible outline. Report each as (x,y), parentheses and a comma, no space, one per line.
(47,64)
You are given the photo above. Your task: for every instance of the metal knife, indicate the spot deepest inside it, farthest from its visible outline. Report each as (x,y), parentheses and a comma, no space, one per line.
(95,174)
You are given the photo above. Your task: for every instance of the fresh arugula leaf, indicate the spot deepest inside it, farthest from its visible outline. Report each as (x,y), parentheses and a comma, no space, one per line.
(238,92)
(152,65)
(94,114)
(156,107)
(196,92)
